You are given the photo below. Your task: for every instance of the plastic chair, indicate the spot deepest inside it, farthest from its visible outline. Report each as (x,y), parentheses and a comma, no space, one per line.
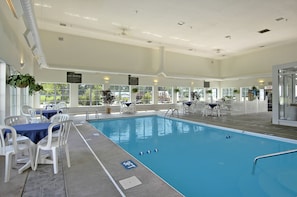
(7,150)
(60,105)
(14,120)
(59,118)
(53,144)
(23,142)
(25,110)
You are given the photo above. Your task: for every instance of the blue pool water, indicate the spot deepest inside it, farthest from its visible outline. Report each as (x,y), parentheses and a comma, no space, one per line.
(201,160)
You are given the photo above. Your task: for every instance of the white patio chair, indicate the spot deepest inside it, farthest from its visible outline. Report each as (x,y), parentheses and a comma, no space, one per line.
(25,110)
(60,105)
(207,110)
(14,120)
(7,150)
(54,144)
(59,118)
(25,145)
(216,111)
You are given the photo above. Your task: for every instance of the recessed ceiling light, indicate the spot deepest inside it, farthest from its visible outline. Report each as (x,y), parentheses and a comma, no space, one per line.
(263,31)
(279,19)
(181,23)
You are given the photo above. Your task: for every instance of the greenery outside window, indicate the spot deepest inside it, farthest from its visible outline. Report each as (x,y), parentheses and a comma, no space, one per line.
(121,93)
(228,93)
(200,93)
(89,95)
(54,93)
(183,94)
(244,94)
(144,95)
(164,95)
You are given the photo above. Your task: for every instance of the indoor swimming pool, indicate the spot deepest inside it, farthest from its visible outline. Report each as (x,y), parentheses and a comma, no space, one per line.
(204,160)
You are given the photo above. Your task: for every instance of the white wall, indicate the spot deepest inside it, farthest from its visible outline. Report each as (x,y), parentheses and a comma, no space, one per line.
(104,58)
(13,46)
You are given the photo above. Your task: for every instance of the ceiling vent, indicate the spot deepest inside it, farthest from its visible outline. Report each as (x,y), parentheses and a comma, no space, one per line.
(63,24)
(263,31)
(29,38)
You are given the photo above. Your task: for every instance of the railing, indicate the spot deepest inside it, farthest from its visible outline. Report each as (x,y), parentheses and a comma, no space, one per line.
(271,155)
(170,112)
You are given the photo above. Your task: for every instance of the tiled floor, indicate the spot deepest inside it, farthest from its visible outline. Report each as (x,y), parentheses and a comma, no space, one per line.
(95,169)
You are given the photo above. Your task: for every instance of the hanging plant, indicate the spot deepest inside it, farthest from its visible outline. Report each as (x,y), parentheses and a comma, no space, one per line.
(235,91)
(208,91)
(134,90)
(23,81)
(176,90)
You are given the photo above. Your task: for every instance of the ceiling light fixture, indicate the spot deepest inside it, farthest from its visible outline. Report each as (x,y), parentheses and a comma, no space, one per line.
(16,7)
(43,5)
(181,23)
(152,34)
(281,19)
(263,31)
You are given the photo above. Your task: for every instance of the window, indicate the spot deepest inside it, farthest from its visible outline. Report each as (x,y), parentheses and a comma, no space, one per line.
(228,93)
(54,93)
(164,95)
(198,94)
(121,93)
(183,94)
(144,95)
(89,95)
(244,94)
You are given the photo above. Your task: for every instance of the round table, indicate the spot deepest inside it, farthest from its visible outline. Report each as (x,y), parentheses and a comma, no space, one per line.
(34,131)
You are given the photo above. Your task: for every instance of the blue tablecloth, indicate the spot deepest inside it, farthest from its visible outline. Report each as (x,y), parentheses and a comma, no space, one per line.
(34,131)
(48,113)
(189,103)
(212,105)
(127,103)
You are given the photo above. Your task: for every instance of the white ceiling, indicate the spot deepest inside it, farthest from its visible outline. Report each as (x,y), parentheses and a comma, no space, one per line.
(207,28)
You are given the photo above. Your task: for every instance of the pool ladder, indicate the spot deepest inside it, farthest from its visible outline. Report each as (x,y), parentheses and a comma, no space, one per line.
(170,112)
(271,155)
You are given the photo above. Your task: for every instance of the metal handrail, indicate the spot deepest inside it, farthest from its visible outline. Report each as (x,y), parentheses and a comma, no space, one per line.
(271,155)
(172,112)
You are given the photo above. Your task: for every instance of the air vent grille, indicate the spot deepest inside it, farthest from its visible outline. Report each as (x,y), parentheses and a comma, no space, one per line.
(263,31)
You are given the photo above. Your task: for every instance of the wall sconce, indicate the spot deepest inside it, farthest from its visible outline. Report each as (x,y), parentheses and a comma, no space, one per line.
(16,7)
(155,82)
(22,64)
(261,82)
(106,79)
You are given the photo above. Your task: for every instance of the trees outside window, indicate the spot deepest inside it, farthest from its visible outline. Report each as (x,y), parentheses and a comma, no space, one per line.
(144,95)
(54,93)
(89,94)
(183,94)
(120,92)
(164,94)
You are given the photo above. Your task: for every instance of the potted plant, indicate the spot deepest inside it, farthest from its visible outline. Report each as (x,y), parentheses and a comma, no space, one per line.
(134,90)
(108,99)
(22,81)
(236,91)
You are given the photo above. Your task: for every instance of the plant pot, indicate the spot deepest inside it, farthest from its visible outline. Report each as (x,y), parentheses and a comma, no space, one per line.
(108,110)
